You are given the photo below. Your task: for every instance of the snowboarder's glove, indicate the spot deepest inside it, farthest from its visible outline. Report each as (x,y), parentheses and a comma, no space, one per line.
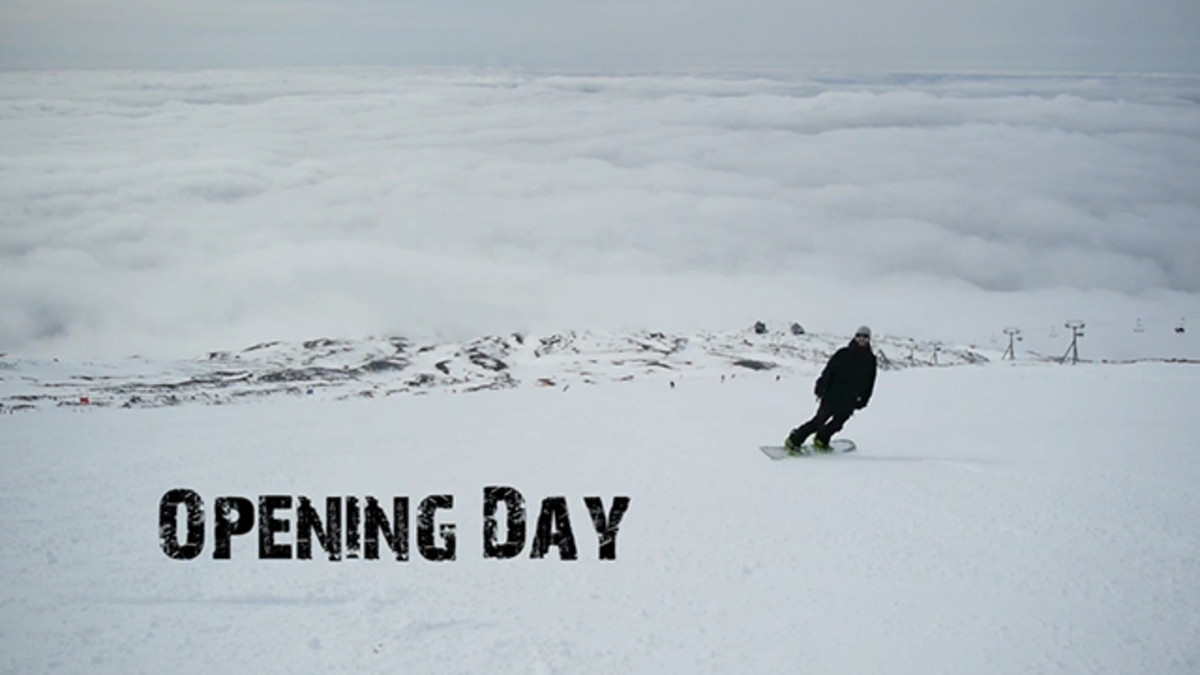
(819,390)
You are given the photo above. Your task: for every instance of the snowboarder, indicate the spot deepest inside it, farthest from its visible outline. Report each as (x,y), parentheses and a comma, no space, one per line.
(844,386)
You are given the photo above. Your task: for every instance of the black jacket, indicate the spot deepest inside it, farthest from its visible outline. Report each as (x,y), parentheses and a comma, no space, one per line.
(849,378)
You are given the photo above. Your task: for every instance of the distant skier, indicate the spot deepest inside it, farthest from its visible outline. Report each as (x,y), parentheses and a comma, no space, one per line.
(844,386)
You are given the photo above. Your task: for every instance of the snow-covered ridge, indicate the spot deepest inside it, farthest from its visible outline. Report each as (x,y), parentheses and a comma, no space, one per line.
(392,365)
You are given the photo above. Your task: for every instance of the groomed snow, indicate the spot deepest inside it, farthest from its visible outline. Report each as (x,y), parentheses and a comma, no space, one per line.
(997,519)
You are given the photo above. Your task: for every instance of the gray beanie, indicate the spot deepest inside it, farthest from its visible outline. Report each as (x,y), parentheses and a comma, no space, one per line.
(863,330)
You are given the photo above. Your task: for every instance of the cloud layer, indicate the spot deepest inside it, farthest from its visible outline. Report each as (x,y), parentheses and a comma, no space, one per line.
(177,212)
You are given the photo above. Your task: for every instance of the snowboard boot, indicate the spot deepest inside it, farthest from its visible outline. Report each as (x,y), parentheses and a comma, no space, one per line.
(793,442)
(821,445)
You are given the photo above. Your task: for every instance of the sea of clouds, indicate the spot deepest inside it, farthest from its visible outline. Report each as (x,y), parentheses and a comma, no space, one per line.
(169,213)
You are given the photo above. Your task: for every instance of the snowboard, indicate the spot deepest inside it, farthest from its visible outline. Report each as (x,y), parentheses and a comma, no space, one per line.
(837,446)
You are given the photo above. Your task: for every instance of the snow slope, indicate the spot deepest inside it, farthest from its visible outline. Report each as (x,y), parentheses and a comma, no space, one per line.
(998,518)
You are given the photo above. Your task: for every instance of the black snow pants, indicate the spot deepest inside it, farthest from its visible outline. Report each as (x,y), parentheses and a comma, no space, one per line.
(829,420)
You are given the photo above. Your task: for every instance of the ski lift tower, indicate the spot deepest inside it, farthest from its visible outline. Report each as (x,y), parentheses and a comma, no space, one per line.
(1076,328)
(1013,334)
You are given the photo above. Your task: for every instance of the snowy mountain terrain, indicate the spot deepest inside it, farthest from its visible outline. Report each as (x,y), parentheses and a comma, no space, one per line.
(339,369)
(997,518)
(591,501)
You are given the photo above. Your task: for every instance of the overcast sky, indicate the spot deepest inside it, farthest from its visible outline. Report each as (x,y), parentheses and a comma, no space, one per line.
(1057,35)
